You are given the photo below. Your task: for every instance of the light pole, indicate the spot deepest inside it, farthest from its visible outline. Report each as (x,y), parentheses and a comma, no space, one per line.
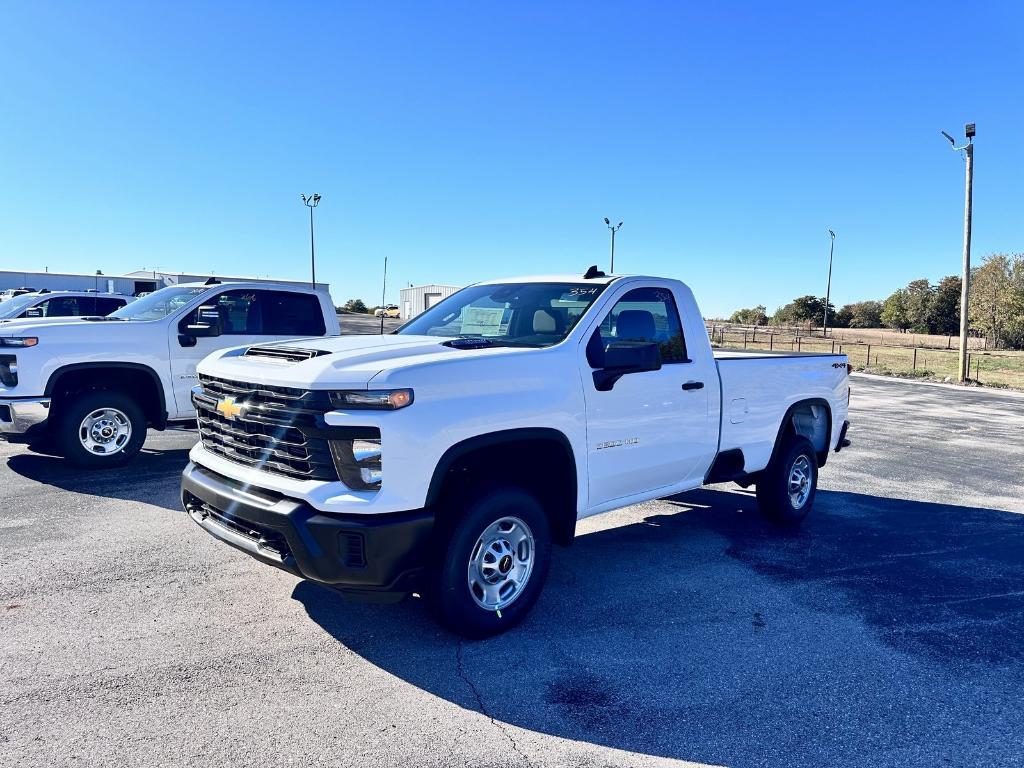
(968,150)
(311,203)
(383,293)
(828,286)
(613,229)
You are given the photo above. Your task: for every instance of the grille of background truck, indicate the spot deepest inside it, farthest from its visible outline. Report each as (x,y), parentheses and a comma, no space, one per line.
(277,429)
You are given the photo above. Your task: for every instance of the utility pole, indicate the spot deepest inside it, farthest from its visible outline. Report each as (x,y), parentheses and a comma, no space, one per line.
(828,287)
(613,230)
(383,293)
(311,203)
(968,150)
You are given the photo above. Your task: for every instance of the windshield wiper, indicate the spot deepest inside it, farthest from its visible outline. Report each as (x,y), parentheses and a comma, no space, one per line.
(480,342)
(99,319)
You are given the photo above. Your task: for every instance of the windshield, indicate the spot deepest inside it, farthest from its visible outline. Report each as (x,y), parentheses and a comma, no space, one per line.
(508,314)
(159,304)
(14,307)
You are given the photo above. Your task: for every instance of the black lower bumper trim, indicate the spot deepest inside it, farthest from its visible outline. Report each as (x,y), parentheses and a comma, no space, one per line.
(364,554)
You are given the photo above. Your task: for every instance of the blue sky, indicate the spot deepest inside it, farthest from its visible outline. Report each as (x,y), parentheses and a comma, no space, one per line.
(473,140)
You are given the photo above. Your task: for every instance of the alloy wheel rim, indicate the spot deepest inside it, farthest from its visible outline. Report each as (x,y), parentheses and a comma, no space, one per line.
(501,563)
(799,484)
(105,431)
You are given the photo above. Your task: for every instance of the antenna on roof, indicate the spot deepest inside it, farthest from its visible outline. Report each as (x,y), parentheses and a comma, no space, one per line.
(593,272)
(212,281)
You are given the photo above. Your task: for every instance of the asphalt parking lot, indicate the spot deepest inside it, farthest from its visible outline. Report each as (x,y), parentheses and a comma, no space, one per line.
(888,631)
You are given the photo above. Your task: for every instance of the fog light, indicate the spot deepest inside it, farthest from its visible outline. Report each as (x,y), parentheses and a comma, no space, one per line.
(358,462)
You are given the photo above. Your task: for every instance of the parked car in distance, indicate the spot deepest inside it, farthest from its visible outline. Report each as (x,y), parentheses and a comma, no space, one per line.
(88,387)
(448,457)
(46,303)
(10,293)
(391,310)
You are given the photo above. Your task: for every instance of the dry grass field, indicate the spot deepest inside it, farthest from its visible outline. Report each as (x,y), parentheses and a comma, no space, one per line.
(885,352)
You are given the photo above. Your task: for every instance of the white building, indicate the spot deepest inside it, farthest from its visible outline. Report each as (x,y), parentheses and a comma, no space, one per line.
(130,284)
(415,299)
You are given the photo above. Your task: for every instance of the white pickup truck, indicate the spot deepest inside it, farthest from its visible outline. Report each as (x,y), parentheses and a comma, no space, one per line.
(88,387)
(446,458)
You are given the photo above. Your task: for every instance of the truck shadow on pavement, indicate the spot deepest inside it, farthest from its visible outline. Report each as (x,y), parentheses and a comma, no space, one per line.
(885,631)
(152,477)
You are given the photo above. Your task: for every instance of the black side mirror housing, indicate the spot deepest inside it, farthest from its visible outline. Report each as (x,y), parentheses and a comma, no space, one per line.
(207,323)
(623,357)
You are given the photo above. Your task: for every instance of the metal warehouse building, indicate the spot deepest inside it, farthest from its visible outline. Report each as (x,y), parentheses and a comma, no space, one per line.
(129,284)
(417,298)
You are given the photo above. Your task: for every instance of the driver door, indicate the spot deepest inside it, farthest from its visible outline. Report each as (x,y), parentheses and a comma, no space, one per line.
(647,432)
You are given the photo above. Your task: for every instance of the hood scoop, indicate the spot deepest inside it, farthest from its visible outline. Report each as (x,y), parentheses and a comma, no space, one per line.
(284,354)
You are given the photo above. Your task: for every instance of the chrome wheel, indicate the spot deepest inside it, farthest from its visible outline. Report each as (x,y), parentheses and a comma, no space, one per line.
(105,431)
(799,485)
(501,563)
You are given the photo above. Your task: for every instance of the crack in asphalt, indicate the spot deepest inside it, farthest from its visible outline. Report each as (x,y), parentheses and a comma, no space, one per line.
(481,707)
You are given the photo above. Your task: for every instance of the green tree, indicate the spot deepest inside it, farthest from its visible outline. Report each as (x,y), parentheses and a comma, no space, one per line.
(894,311)
(945,310)
(753,316)
(997,296)
(918,301)
(863,314)
(355,305)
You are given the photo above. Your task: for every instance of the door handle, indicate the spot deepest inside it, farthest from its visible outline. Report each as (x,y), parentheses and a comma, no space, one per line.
(693,385)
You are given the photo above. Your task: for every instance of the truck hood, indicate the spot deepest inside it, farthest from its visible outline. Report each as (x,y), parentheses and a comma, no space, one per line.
(21,322)
(343,362)
(43,326)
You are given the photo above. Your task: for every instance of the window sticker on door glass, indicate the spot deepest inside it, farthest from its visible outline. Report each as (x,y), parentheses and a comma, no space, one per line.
(485,321)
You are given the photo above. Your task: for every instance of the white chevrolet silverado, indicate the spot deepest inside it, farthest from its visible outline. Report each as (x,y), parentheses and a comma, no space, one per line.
(446,458)
(88,387)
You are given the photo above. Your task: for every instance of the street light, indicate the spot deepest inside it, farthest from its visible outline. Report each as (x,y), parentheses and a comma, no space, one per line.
(828,287)
(968,150)
(613,230)
(383,293)
(311,202)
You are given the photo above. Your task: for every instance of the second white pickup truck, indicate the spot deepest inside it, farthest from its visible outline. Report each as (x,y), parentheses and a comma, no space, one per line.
(88,387)
(446,458)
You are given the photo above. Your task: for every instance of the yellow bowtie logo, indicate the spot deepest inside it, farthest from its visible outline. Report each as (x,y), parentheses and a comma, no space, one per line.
(229,409)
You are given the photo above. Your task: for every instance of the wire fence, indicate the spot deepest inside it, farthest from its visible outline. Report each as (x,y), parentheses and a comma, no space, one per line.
(1004,369)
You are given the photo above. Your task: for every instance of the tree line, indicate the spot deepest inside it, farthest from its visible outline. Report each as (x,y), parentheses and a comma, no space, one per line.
(996,306)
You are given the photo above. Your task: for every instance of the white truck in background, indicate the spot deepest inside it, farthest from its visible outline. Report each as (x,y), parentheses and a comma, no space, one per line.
(447,457)
(88,387)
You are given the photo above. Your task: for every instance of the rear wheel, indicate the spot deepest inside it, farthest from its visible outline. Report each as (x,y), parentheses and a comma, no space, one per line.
(786,488)
(494,563)
(100,428)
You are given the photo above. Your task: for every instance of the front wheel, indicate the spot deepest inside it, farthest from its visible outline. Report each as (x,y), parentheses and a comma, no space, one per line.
(786,488)
(494,563)
(100,428)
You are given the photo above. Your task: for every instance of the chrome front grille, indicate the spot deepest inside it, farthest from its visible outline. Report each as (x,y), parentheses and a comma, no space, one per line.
(275,429)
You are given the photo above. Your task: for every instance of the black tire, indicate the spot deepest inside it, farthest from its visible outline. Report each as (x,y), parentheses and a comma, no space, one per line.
(773,492)
(73,411)
(450,593)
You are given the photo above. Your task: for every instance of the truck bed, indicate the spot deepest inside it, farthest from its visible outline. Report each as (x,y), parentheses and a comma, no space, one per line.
(758,388)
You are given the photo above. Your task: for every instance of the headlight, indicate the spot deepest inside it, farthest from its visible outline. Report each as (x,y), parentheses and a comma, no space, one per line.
(378,399)
(18,341)
(358,462)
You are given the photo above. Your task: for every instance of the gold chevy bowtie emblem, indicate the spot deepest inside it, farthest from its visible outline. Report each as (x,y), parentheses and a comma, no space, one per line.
(229,409)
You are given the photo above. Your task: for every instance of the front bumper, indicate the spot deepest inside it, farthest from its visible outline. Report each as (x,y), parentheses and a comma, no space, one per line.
(371,556)
(22,417)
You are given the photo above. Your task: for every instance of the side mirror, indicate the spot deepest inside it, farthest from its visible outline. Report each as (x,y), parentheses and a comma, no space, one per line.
(622,357)
(33,312)
(207,323)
